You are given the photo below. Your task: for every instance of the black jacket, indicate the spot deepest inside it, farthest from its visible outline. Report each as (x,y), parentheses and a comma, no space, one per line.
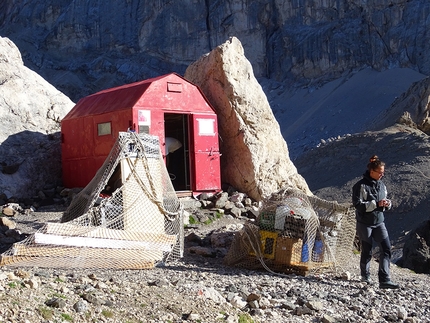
(366,194)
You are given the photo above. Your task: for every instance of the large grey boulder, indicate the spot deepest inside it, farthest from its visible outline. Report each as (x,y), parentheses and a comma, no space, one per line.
(416,251)
(30,113)
(255,156)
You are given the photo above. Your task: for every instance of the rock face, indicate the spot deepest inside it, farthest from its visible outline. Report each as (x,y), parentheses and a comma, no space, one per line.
(100,44)
(411,108)
(416,251)
(30,114)
(254,154)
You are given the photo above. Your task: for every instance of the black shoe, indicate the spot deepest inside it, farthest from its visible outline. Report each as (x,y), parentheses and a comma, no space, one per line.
(366,279)
(388,285)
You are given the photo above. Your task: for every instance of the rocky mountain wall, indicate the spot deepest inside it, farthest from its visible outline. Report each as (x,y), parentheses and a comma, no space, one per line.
(84,46)
(30,113)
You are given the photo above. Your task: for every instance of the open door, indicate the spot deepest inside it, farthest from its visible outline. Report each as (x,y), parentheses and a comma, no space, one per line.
(176,140)
(204,153)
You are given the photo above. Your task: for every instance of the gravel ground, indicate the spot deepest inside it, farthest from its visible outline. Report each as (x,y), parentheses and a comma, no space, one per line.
(202,289)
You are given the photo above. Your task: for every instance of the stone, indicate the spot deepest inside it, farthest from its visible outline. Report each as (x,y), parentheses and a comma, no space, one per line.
(32,283)
(30,115)
(302,310)
(10,224)
(416,249)
(253,297)
(221,200)
(80,306)
(8,211)
(213,295)
(402,313)
(328,319)
(21,273)
(315,305)
(235,211)
(238,302)
(251,138)
(202,251)
(346,275)
(55,302)
(221,239)
(193,317)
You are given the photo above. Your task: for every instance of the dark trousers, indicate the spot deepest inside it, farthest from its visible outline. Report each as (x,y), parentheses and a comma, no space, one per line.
(379,234)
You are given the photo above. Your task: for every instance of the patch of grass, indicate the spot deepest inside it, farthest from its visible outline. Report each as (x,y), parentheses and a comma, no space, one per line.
(245,318)
(193,220)
(12,285)
(108,314)
(58,295)
(208,221)
(67,317)
(46,313)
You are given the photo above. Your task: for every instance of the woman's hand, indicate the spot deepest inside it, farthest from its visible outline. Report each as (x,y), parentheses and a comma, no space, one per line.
(384,203)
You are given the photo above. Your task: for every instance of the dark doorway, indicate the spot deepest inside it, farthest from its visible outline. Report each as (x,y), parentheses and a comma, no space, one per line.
(178,161)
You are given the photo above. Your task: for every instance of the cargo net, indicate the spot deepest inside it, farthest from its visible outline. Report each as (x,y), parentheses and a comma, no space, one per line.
(295,233)
(127,217)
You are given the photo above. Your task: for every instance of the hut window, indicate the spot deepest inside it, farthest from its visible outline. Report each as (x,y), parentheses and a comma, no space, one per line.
(206,127)
(104,128)
(174,87)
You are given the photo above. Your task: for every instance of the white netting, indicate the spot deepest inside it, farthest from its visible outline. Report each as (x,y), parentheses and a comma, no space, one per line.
(127,217)
(296,233)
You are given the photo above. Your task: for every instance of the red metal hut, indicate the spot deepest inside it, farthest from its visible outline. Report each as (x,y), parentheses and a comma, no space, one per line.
(167,106)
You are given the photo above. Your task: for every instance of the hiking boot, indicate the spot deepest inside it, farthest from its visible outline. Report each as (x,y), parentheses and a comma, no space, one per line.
(388,285)
(366,279)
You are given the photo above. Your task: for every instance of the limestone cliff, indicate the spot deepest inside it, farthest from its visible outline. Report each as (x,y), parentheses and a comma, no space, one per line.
(84,46)
(30,113)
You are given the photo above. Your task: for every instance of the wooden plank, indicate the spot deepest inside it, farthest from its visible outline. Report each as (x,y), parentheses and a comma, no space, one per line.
(65,229)
(66,262)
(78,252)
(50,239)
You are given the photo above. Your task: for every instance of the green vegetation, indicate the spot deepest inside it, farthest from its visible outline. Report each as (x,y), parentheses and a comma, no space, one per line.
(12,285)
(46,313)
(108,314)
(245,318)
(67,317)
(193,220)
(58,295)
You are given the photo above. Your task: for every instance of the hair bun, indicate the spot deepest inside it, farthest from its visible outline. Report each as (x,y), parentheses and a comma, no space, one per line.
(374,158)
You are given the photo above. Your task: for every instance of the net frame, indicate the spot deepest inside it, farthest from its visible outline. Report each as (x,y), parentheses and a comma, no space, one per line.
(127,217)
(305,235)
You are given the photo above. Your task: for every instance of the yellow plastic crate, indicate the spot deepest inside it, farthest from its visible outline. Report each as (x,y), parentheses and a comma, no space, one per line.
(268,244)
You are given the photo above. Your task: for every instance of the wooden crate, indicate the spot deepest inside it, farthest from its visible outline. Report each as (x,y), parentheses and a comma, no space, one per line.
(288,250)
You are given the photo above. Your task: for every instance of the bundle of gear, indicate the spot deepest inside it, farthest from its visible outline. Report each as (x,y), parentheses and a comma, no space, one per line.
(127,217)
(295,233)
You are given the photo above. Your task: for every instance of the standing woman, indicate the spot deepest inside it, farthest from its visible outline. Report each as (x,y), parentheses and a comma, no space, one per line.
(369,196)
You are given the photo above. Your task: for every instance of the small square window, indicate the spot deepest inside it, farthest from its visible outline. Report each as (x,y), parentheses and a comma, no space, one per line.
(104,129)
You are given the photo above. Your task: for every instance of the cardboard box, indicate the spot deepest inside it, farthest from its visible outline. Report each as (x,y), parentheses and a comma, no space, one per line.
(288,250)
